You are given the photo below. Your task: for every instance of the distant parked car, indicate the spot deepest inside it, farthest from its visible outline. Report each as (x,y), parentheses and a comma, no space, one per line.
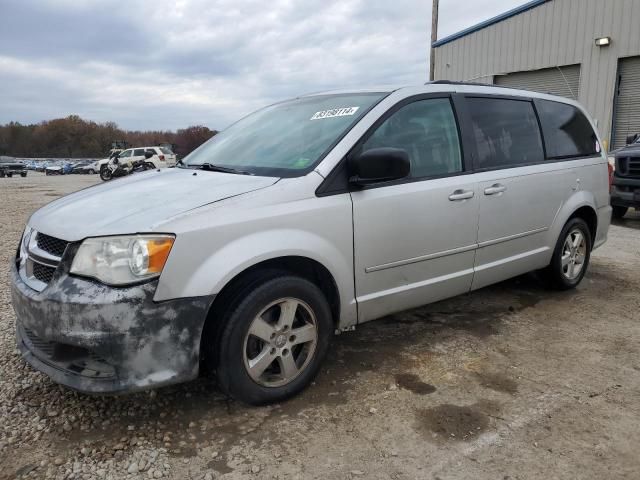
(9,168)
(63,168)
(85,168)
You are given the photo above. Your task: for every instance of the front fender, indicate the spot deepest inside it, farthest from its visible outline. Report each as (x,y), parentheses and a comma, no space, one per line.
(225,241)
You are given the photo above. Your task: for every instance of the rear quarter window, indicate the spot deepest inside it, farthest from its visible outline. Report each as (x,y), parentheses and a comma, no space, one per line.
(567,131)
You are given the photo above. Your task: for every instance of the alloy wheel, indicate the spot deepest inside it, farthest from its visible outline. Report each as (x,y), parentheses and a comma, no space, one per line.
(280,342)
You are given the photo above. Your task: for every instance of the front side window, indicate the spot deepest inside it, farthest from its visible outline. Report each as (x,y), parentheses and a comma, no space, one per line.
(427,131)
(286,139)
(506,132)
(567,131)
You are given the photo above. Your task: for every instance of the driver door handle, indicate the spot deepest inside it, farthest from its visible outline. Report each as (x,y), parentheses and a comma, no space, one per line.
(459,195)
(495,189)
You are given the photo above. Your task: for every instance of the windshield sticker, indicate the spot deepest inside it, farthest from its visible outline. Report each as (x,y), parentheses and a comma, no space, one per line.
(335,112)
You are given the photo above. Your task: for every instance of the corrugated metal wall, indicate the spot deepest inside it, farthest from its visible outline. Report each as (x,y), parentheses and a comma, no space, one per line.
(563,81)
(559,32)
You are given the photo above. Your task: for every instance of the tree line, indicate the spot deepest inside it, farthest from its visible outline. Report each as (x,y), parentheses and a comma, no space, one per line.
(74,137)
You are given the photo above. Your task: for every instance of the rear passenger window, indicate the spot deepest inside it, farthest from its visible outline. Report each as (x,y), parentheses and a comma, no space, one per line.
(427,131)
(506,132)
(567,131)
(138,152)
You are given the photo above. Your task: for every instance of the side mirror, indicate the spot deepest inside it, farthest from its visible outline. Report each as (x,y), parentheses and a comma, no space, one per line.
(148,154)
(632,138)
(378,165)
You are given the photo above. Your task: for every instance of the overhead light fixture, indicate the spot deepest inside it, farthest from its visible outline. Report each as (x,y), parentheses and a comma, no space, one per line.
(603,41)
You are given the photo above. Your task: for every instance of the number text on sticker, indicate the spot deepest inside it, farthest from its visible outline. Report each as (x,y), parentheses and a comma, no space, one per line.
(335,112)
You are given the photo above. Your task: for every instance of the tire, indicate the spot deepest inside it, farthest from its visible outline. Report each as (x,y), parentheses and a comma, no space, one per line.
(561,273)
(618,212)
(150,165)
(1,174)
(9,175)
(105,174)
(23,174)
(92,172)
(261,306)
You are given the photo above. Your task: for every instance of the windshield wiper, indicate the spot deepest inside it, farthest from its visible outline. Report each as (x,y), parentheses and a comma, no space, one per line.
(219,168)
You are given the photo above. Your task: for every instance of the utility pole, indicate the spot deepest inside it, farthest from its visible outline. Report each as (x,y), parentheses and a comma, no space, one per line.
(434,38)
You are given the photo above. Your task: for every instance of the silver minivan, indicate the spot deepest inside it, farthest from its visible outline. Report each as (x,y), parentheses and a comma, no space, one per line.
(307,217)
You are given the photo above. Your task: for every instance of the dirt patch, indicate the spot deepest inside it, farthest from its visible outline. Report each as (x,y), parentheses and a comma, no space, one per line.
(498,382)
(449,422)
(412,382)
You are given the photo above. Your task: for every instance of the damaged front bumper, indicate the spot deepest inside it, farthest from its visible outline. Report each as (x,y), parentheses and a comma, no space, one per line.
(100,339)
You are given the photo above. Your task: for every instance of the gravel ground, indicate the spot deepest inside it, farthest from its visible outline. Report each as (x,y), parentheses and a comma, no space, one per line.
(510,382)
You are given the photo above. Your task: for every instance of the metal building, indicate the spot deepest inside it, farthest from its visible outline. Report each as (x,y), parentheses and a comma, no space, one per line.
(583,49)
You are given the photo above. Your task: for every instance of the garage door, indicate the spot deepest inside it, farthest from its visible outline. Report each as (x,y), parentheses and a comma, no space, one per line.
(563,81)
(626,119)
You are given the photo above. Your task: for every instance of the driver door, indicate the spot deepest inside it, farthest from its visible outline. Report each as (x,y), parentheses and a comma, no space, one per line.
(415,239)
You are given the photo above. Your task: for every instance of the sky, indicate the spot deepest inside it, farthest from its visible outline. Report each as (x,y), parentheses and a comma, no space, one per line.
(169,64)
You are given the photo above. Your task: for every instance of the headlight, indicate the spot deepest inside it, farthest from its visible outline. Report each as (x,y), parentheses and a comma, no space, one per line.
(24,242)
(122,260)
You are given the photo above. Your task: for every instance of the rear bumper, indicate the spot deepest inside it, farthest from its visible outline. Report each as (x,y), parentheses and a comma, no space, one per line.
(99,339)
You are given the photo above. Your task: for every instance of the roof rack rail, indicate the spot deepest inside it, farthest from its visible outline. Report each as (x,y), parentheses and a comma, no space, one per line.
(455,82)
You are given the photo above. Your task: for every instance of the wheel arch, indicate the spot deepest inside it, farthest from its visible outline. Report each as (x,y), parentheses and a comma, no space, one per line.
(581,204)
(302,266)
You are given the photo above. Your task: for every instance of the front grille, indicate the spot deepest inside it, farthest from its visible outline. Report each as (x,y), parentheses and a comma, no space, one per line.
(628,167)
(51,245)
(44,273)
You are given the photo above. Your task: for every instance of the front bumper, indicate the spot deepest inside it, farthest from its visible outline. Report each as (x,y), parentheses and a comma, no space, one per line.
(99,339)
(625,192)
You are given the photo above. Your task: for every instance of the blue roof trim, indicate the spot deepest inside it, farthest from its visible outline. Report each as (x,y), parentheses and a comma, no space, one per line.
(491,21)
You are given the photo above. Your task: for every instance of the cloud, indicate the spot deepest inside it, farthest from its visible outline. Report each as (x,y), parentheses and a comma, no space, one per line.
(167,64)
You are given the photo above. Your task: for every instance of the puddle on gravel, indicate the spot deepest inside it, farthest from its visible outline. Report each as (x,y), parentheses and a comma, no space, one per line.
(412,382)
(456,423)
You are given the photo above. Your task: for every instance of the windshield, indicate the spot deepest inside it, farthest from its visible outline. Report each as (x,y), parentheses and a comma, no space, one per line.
(286,139)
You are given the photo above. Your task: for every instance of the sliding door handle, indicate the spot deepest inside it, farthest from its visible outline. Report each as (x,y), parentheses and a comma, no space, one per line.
(495,189)
(459,195)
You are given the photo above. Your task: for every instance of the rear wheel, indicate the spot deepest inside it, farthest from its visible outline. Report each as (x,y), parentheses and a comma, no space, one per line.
(150,165)
(9,174)
(571,256)
(618,212)
(275,335)
(23,174)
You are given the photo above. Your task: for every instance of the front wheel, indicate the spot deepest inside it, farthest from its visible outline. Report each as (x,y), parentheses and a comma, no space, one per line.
(618,211)
(92,171)
(275,335)
(105,174)
(571,256)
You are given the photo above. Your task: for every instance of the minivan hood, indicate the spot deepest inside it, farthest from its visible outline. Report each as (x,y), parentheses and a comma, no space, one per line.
(139,203)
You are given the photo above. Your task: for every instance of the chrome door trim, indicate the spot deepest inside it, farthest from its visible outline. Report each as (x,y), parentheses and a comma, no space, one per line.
(421,258)
(488,243)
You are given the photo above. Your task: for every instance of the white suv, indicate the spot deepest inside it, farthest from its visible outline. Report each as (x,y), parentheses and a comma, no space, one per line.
(162,157)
